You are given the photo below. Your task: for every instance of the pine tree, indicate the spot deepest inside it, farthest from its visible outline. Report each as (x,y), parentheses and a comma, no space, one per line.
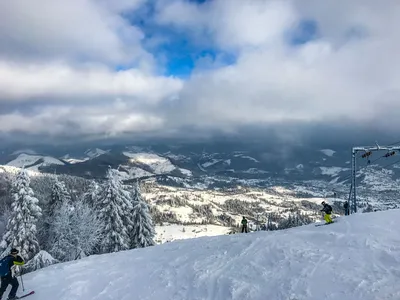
(75,232)
(114,212)
(60,235)
(91,196)
(143,230)
(41,260)
(21,229)
(59,198)
(59,195)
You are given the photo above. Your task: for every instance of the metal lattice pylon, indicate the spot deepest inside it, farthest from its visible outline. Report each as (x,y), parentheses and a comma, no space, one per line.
(367,152)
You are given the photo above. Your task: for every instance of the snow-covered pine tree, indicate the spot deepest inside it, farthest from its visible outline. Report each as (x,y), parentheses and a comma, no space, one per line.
(86,229)
(59,195)
(41,260)
(114,209)
(143,229)
(91,196)
(60,240)
(75,232)
(21,229)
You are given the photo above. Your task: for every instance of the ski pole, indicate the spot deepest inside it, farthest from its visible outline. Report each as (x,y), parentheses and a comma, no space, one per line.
(22,282)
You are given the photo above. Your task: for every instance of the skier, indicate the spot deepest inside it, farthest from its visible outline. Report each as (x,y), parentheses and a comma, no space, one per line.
(244,225)
(328,210)
(346,208)
(7,276)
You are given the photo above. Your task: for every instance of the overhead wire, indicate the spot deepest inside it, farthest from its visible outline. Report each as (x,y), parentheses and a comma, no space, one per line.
(370,163)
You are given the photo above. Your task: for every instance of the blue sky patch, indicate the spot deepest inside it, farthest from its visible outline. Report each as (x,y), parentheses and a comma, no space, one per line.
(304,32)
(175,51)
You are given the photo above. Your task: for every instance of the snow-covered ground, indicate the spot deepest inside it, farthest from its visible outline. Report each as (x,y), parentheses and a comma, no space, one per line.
(169,233)
(356,258)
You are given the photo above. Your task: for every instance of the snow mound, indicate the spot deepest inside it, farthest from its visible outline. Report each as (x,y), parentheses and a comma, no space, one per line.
(357,257)
(34,162)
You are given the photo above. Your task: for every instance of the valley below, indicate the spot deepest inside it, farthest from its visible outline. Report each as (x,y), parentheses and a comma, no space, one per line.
(195,193)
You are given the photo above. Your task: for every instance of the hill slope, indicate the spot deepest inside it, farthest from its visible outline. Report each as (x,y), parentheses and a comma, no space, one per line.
(356,258)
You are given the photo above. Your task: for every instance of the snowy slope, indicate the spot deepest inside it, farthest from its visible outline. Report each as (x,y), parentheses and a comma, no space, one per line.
(356,258)
(33,162)
(156,163)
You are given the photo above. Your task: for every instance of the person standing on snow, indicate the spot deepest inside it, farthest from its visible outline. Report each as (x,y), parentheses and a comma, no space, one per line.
(244,225)
(346,208)
(327,209)
(6,265)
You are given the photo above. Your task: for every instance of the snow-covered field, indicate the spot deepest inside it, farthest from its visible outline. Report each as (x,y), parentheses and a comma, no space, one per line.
(169,233)
(356,258)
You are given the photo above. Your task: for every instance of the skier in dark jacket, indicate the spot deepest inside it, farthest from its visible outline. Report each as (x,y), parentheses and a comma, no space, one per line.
(346,208)
(10,260)
(244,225)
(327,209)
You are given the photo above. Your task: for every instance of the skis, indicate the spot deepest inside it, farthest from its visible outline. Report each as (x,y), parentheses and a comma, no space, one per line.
(26,295)
(323,224)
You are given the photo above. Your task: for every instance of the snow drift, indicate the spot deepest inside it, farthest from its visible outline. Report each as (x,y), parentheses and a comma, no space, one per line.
(356,258)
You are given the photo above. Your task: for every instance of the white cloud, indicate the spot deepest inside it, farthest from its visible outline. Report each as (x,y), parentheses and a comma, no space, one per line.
(64,53)
(231,24)
(76,29)
(63,82)
(334,77)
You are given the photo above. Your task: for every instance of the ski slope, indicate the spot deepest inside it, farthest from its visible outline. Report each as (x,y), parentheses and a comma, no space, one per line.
(356,258)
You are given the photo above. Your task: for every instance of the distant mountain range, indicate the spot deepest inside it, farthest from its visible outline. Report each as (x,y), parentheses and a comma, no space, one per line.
(222,165)
(204,189)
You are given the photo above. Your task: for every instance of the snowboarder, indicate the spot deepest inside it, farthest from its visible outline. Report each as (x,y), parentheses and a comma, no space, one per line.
(7,276)
(346,208)
(244,225)
(328,210)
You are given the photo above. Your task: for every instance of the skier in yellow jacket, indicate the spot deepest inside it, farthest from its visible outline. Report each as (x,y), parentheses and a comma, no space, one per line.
(327,209)
(6,273)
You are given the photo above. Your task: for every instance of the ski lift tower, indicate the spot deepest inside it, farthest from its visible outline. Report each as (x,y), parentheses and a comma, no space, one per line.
(391,150)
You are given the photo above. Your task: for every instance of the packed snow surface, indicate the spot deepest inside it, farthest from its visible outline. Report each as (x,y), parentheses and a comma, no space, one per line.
(358,257)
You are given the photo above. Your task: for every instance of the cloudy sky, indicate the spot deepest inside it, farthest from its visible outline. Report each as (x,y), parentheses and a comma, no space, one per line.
(108,68)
